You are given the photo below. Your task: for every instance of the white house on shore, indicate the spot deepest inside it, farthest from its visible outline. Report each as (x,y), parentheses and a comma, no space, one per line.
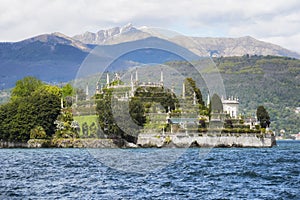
(231,107)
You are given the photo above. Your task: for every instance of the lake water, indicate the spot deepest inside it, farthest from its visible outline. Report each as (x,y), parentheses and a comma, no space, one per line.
(233,173)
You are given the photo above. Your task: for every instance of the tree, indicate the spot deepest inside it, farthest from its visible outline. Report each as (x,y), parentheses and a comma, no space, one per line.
(46,107)
(50,89)
(216,104)
(190,88)
(66,127)
(93,130)
(20,116)
(67,93)
(67,90)
(7,123)
(106,119)
(158,95)
(113,119)
(32,104)
(40,109)
(25,87)
(137,111)
(263,116)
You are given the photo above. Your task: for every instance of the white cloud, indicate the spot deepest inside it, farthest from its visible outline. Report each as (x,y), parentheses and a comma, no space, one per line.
(289,42)
(272,20)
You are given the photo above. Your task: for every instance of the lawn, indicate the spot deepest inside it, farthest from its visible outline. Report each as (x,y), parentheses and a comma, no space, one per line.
(89,119)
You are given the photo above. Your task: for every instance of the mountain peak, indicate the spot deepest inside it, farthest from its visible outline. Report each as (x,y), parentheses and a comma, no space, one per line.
(127,27)
(59,34)
(112,35)
(56,38)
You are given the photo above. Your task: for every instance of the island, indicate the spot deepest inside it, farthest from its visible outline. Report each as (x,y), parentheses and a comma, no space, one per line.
(135,115)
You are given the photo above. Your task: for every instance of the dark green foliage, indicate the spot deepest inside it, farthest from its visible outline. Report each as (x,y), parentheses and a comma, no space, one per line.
(20,116)
(202,123)
(85,130)
(190,88)
(93,130)
(263,116)
(158,95)
(45,109)
(109,120)
(175,113)
(137,111)
(239,130)
(7,121)
(228,123)
(113,114)
(216,104)
(274,84)
(106,120)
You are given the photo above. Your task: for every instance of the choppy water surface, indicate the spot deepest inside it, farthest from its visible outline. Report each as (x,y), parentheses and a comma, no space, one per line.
(221,174)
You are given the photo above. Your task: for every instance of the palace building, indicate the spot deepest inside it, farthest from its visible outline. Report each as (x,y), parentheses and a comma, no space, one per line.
(231,107)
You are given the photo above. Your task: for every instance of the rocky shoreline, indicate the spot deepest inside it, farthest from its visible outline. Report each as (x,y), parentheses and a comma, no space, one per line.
(154,141)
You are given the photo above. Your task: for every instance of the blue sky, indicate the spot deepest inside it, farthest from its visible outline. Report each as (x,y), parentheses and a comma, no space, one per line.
(275,21)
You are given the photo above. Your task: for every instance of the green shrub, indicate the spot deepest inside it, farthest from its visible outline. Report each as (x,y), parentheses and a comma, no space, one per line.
(226,130)
(38,133)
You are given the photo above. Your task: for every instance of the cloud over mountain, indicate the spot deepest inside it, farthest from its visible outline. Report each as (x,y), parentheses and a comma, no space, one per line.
(272,21)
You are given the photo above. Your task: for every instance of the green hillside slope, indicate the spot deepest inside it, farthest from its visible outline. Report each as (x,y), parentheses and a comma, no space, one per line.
(270,81)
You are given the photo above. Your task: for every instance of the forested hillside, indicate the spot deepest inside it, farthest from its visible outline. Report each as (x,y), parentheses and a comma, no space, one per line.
(265,80)
(271,81)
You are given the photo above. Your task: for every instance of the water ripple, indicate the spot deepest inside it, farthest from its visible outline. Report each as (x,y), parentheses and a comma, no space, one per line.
(221,174)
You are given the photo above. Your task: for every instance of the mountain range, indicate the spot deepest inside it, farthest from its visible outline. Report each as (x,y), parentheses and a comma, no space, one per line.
(272,81)
(202,46)
(56,57)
